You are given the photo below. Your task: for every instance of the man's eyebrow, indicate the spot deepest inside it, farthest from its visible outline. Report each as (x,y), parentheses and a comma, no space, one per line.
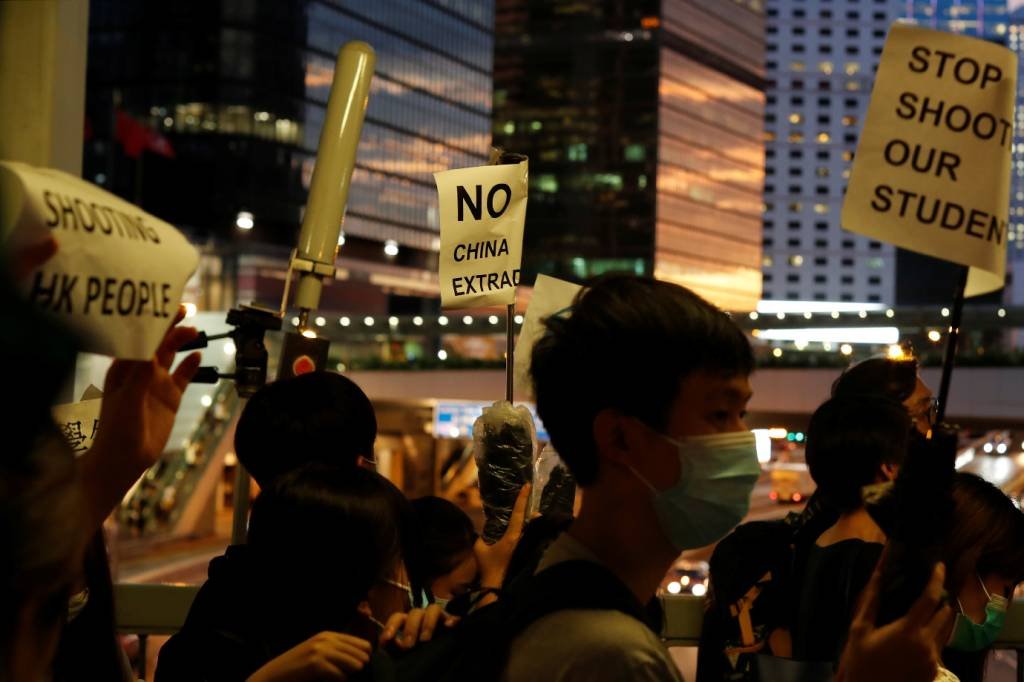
(736,394)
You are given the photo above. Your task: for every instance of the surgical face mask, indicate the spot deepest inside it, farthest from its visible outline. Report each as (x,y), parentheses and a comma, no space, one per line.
(717,473)
(406,588)
(971,636)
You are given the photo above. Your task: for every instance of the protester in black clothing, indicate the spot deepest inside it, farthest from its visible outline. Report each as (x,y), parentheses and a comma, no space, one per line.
(852,442)
(52,503)
(321,573)
(642,389)
(314,417)
(446,538)
(897,379)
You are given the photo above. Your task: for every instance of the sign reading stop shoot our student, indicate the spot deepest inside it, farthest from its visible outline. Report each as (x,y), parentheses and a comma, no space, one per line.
(932,169)
(483,211)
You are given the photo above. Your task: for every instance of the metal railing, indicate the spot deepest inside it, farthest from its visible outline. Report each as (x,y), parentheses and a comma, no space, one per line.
(161,609)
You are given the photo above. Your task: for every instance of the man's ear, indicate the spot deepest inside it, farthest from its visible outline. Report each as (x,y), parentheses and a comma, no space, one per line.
(615,435)
(890,471)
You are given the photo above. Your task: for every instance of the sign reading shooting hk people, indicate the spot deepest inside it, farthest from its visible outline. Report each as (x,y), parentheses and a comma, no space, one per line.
(932,169)
(483,211)
(119,272)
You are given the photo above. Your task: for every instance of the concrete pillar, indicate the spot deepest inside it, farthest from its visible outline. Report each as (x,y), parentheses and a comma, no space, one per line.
(42,82)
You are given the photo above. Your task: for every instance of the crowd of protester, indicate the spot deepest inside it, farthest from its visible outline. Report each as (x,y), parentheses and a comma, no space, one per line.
(643,390)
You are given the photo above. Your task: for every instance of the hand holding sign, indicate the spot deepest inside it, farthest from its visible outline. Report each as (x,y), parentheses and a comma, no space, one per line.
(483,211)
(140,402)
(932,171)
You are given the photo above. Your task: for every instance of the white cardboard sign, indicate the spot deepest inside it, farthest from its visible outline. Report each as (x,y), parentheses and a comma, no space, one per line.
(550,296)
(119,272)
(78,423)
(932,170)
(483,211)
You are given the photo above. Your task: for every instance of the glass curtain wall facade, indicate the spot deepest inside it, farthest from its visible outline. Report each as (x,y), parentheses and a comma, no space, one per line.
(710,152)
(1015,257)
(637,119)
(576,90)
(239,88)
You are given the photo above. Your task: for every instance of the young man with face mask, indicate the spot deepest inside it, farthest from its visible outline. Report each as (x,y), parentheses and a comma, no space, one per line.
(643,390)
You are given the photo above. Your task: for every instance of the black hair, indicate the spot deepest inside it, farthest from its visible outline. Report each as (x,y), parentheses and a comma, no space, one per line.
(986,537)
(628,344)
(89,642)
(322,536)
(895,379)
(445,535)
(41,523)
(320,416)
(849,438)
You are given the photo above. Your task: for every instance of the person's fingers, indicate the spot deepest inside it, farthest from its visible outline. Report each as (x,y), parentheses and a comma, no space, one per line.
(352,652)
(431,617)
(924,608)
(179,315)
(940,627)
(138,376)
(185,370)
(346,652)
(518,519)
(326,667)
(411,629)
(175,338)
(357,642)
(392,627)
(116,375)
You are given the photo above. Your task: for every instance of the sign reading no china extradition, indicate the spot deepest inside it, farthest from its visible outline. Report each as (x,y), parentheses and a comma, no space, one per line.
(932,170)
(482,210)
(118,273)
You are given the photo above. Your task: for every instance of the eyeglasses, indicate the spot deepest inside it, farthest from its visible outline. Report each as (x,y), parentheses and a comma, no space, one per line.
(929,413)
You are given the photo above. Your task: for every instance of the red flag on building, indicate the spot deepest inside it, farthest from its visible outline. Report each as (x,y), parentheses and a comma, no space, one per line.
(131,134)
(136,137)
(158,144)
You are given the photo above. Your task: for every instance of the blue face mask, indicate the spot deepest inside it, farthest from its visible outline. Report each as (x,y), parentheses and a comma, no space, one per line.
(971,636)
(717,473)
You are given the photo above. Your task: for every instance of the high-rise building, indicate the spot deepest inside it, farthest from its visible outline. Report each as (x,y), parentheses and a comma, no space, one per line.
(642,123)
(820,64)
(979,18)
(239,90)
(1015,254)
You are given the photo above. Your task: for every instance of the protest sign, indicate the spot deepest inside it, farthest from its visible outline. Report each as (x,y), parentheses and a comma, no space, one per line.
(932,169)
(550,296)
(79,422)
(118,274)
(482,213)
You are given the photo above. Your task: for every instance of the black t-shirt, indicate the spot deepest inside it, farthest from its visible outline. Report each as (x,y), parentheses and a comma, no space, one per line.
(833,578)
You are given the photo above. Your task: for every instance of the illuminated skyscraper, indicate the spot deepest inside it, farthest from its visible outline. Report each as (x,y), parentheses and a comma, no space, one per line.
(239,89)
(642,122)
(820,64)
